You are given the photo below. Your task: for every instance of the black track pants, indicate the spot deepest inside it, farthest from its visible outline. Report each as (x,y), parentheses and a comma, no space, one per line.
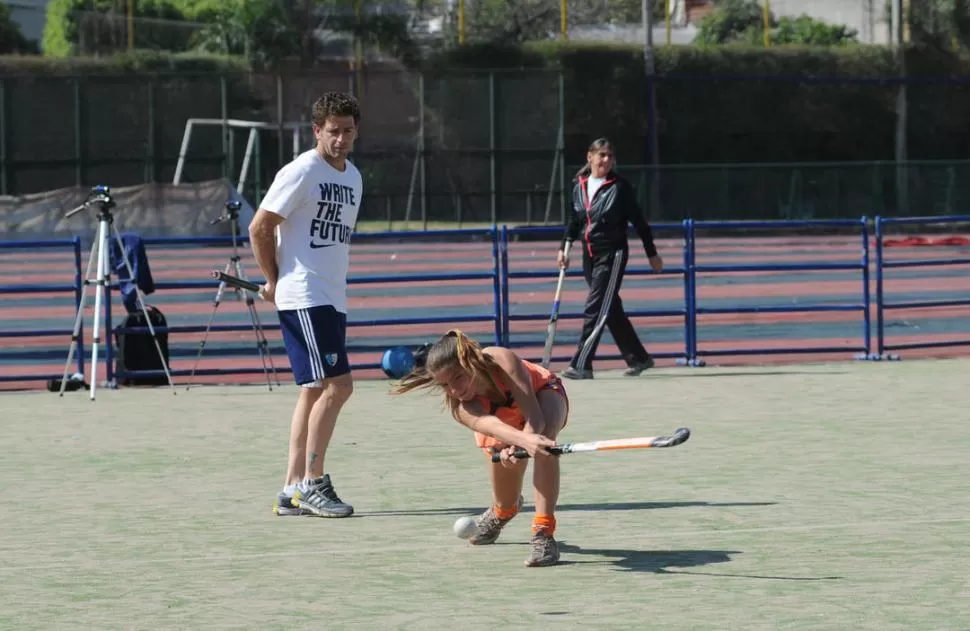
(604,274)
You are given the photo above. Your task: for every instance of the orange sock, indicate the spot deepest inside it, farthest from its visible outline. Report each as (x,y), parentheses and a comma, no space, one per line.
(506,514)
(545,523)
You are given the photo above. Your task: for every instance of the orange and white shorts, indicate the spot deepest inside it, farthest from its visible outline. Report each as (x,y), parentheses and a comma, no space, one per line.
(513,417)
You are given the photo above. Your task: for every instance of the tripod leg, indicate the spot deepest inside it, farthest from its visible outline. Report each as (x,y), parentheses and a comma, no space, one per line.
(205,334)
(261,345)
(99,292)
(265,344)
(79,318)
(144,309)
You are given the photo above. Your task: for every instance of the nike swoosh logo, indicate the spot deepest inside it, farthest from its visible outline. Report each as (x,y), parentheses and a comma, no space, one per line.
(316,246)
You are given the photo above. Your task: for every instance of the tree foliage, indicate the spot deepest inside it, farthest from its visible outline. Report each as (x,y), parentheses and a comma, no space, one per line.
(742,21)
(258,30)
(732,21)
(99,27)
(944,24)
(807,31)
(261,31)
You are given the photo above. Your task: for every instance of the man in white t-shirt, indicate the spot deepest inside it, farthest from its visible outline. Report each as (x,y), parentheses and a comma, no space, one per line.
(301,239)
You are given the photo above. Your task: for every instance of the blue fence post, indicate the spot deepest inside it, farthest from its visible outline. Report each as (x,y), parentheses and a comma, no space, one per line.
(880,335)
(687,317)
(886,349)
(497,284)
(504,248)
(692,295)
(774,308)
(78,288)
(866,303)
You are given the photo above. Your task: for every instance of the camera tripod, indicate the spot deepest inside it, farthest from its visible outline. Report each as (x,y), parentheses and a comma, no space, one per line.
(101,196)
(234,268)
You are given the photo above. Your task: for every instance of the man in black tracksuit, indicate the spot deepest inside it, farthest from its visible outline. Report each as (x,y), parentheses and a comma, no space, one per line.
(604,204)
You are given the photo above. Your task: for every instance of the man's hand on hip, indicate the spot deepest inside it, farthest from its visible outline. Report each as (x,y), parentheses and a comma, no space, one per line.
(268,292)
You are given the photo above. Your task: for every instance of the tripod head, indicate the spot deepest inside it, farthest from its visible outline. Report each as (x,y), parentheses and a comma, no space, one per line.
(232,213)
(232,216)
(100,195)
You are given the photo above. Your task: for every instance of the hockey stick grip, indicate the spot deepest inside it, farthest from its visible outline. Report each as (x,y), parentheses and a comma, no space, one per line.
(522,454)
(235,281)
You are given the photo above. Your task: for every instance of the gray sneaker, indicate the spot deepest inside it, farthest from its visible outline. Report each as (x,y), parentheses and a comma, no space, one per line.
(318,497)
(636,369)
(545,551)
(284,506)
(575,373)
(489,528)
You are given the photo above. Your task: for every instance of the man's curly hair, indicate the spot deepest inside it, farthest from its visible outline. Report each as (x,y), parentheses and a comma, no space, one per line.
(335,104)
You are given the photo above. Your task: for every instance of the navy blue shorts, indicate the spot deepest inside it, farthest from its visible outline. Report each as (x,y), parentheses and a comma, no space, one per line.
(316,343)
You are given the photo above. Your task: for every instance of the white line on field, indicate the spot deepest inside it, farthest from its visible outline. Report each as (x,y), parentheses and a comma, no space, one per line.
(233,557)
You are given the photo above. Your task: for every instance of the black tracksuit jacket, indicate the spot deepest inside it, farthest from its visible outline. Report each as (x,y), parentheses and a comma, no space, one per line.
(604,221)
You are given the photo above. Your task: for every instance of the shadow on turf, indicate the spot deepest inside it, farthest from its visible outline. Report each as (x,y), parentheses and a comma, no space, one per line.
(602,506)
(660,562)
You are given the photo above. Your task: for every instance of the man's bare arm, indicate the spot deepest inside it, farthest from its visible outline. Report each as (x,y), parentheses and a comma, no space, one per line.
(262,239)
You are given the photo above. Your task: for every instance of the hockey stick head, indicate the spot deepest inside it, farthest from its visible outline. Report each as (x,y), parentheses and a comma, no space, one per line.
(679,436)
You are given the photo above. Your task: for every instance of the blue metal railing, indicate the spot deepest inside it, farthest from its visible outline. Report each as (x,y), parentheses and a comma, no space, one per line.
(505,277)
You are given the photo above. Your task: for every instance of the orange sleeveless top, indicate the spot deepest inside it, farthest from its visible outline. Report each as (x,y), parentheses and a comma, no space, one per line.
(508,411)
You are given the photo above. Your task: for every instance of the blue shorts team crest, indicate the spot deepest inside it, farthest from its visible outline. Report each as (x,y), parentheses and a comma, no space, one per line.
(316,343)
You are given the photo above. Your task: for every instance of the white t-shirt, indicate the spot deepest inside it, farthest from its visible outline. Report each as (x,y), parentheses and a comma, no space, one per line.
(319,204)
(593,184)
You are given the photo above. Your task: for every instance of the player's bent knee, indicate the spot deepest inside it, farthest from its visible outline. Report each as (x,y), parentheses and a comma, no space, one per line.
(554,410)
(552,430)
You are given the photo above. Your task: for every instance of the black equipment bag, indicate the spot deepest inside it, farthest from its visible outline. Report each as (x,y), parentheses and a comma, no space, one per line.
(136,349)
(421,355)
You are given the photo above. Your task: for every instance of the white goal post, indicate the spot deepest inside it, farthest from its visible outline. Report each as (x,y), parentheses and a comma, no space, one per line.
(254,128)
(418,166)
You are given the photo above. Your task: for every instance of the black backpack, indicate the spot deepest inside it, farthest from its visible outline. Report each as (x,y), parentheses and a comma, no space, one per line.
(136,349)
(421,355)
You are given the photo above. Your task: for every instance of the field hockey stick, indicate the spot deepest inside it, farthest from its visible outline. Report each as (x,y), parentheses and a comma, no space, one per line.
(554,318)
(678,437)
(235,281)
